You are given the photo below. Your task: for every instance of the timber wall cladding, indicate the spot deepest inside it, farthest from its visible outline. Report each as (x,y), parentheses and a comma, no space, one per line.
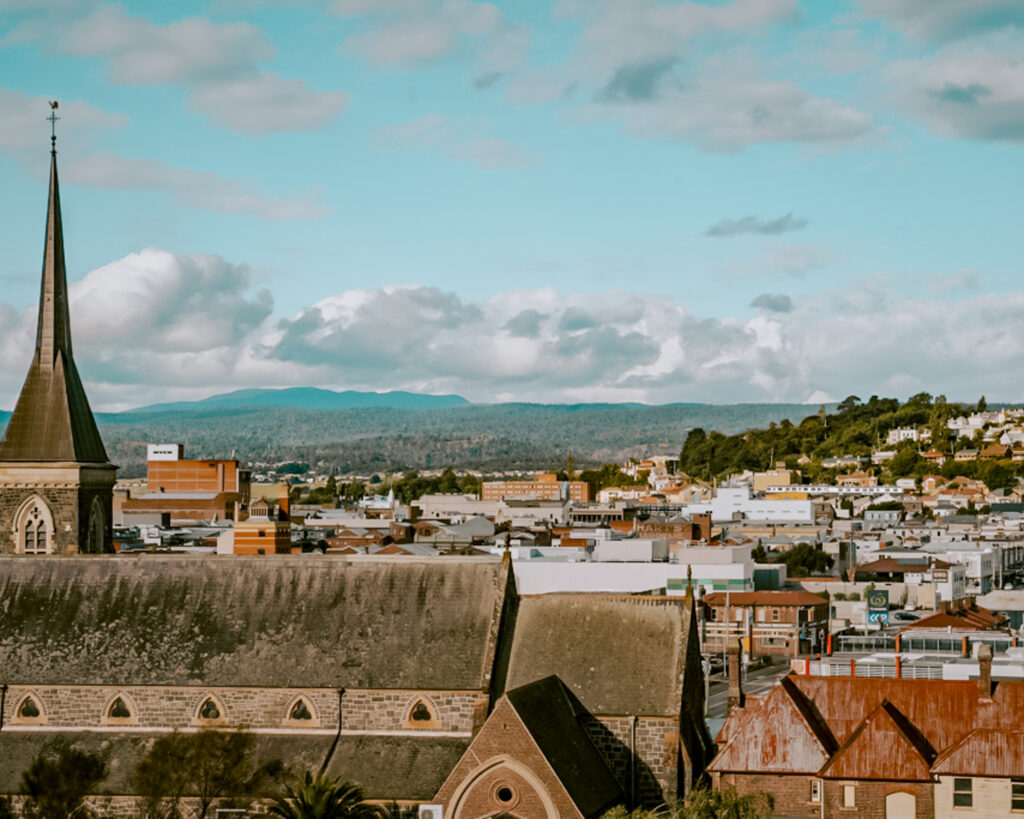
(170,707)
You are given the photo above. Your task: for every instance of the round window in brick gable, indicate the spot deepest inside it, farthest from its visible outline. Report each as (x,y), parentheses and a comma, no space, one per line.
(505,795)
(29,709)
(300,711)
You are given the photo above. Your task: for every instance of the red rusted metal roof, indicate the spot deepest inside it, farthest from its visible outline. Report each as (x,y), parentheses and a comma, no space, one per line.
(798,742)
(985,752)
(969,618)
(889,729)
(765,598)
(884,746)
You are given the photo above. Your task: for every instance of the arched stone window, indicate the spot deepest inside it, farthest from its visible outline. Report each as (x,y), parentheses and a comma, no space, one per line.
(97,528)
(211,711)
(301,712)
(30,710)
(422,713)
(120,710)
(33,527)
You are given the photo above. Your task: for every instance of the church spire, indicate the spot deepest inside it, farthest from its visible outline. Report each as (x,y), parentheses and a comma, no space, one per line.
(52,420)
(53,332)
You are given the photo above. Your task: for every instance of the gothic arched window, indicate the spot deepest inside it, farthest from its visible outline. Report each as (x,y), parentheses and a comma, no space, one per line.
(209,710)
(34,527)
(421,714)
(118,710)
(30,710)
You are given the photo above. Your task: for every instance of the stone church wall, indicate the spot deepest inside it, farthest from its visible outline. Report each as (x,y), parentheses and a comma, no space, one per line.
(167,708)
(656,767)
(63,503)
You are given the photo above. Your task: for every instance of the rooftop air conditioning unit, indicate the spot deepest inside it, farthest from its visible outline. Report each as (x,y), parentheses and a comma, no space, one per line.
(431,812)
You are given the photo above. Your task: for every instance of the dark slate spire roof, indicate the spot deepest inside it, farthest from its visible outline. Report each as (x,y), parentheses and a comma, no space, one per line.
(52,420)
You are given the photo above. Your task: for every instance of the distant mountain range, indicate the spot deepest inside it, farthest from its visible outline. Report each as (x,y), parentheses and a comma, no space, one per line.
(351,432)
(309,398)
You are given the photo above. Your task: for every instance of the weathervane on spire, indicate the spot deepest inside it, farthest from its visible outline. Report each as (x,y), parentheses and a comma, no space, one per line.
(53,125)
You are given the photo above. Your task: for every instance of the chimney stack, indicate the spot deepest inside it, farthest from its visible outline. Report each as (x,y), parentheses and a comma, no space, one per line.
(985,671)
(703,521)
(736,698)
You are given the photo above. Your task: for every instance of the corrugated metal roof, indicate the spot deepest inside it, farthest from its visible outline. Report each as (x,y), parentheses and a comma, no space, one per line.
(889,729)
(985,752)
(799,740)
(885,746)
(971,618)
(765,598)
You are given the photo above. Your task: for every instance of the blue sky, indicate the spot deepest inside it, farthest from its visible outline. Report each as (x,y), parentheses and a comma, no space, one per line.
(575,200)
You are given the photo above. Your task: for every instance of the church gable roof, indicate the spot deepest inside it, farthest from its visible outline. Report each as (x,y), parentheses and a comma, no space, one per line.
(550,715)
(52,420)
(536,727)
(286,621)
(589,640)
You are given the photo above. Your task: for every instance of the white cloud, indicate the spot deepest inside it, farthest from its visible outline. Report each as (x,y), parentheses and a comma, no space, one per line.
(144,53)
(946,19)
(156,325)
(264,102)
(411,32)
(456,139)
(688,71)
(972,90)
(204,191)
(630,32)
(24,125)
(727,106)
(219,63)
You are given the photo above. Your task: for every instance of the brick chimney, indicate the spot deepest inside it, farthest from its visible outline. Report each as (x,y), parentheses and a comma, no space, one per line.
(736,699)
(984,671)
(703,522)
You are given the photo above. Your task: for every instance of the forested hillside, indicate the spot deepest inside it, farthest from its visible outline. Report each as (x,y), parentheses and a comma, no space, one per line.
(855,428)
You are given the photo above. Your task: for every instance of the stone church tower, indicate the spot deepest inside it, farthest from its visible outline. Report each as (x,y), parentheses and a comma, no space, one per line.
(56,482)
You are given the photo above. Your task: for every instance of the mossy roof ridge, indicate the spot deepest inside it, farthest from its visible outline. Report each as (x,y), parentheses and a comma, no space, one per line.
(619,656)
(237,621)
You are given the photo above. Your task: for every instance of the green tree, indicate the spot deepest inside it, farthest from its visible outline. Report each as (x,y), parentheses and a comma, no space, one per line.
(848,403)
(354,491)
(982,404)
(59,779)
(317,796)
(209,766)
(449,483)
(705,803)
